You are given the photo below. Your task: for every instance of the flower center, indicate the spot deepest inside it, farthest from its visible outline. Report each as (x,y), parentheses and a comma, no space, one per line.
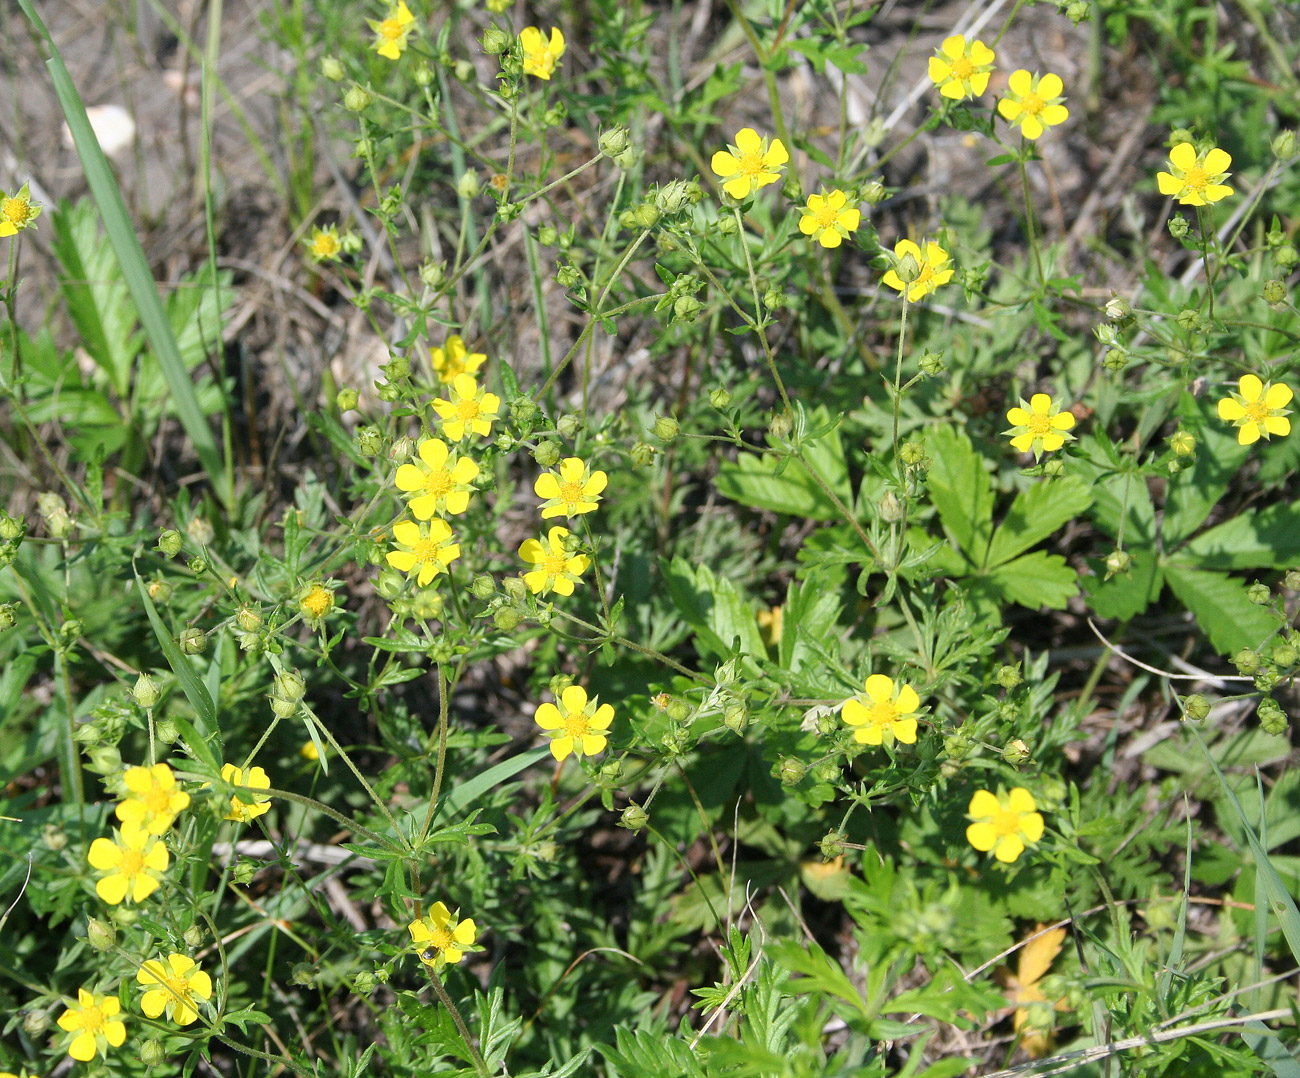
(570,493)
(425,551)
(555,564)
(1196,178)
(132,863)
(467,410)
(391,30)
(752,164)
(826,217)
(440,938)
(1039,423)
(1256,412)
(1032,104)
(437,484)
(92,1020)
(1005,822)
(158,801)
(884,713)
(317,602)
(15,211)
(962,68)
(326,245)
(576,724)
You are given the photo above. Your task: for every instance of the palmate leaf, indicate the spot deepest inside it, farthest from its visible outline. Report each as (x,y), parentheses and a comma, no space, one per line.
(723,620)
(1221,608)
(1035,580)
(961,491)
(1248,541)
(1037,513)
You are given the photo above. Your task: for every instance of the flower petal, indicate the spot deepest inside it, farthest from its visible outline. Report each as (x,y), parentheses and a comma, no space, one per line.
(1250,387)
(1020,800)
(82,1047)
(1230,410)
(907,701)
(574,699)
(602,718)
(983,836)
(983,803)
(1031,826)
(1009,848)
(777,155)
(880,688)
(1018,417)
(1278,396)
(548,717)
(409,478)
(1040,404)
(112,889)
(546,486)
(594,743)
(1168,183)
(953,47)
(1183,156)
(1021,83)
(1050,85)
(561,748)
(103,855)
(854,713)
(154,1003)
(1054,114)
(1031,127)
(1279,425)
(1008,109)
(1217,161)
(904,730)
(748,141)
(406,532)
(725,163)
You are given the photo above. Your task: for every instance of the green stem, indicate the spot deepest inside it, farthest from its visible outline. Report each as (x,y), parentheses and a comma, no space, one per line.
(1029,224)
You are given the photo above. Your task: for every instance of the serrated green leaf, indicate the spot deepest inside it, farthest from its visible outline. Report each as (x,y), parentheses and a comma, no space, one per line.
(1035,580)
(1036,513)
(1219,604)
(723,621)
(1248,541)
(783,484)
(1194,491)
(961,492)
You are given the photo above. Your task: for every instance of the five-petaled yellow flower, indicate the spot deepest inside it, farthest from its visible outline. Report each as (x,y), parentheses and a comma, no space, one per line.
(555,570)
(392,32)
(828,218)
(1258,409)
(577,725)
(1033,102)
(177,988)
(427,549)
(540,55)
(1195,179)
(315,602)
(1004,824)
(17,213)
(961,69)
(882,708)
(324,245)
(153,798)
(92,1019)
(574,490)
(442,485)
(439,938)
(919,273)
(455,359)
(469,409)
(133,865)
(257,779)
(750,164)
(1039,426)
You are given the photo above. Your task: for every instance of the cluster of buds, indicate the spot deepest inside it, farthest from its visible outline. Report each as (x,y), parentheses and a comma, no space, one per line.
(287,693)
(54,515)
(12,532)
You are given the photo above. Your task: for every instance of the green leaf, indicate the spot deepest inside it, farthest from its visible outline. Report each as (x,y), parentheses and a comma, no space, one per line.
(463,794)
(1036,580)
(1194,491)
(961,491)
(1251,540)
(1126,595)
(1036,513)
(95,293)
(817,973)
(1229,619)
(783,484)
(723,621)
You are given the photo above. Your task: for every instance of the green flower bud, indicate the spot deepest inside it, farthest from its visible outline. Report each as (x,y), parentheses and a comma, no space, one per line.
(514,587)
(198,565)
(1285,655)
(826,771)
(790,771)
(152,1052)
(611,770)
(8,615)
(873,193)
(735,718)
(1118,561)
(568,276)
(145,693)
(469,185)
(397,369)
(1178,226)
(35,1023)
(100,936)
(666,428)
(1286,257)
(483,587)
(506,618)
(547,236)
(643,454)
(193,641)
(719,398)
(390,583)
(1272,719)
(1183,443)
(248,617)
(1259,594)
(193,937)
(547,453)
(725,225)
(1115,359)
(12,529)
(678,710)
(645,215)
(1078,11)
(780,426)
(1008,676)
(495,40)
(54,513)
(890,508)
(1274,292)
(523,410)
(614,141)
(907,268)
(369,441)
(462,69)
(357,99)
(289,685)
(346,399)
(70,630)
(1118,308)
(364,983)
(54,837)
(686,309)
(1246,661)
(243,872)
(568,425)
(912,454)
(426,604)
(1196,707)
(166,731)
(160,591)
(331,68)
(932,364)
(832,845)
(1015,752)
(200,531)
(302,975)
(634,817)
(673,197)
(1292,580)
(772,299)
(104,760)
(958,745)
(1284,145)
(1177,135)
(170,542)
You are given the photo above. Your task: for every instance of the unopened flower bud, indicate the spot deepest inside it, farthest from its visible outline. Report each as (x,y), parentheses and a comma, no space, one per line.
(780,426)
(248,618)
(346,399)
(1196,707)
(357,99)
(873,193)
(1178,226)
(686,309)
(495,40)
(289,685)
(166,731)
(1008,676)
(932,364)
(1274,292)
(1286,257)
(568,425)
(1078,11)
(1183,443)
(611,770)
(634,817)
(1118,561)
(54,837)
(643,454)
(666,428)
(1272,719)
(523,410)
(35,1023)
(198,565)
(54,513)
(104,760)
(243,872)
(1118,308)
(152,1052)
(483,586)
(193,937)
(100,935)
(547,453)
(1284,145)
(1258,594)
(1292,580)
(890,508)
(145,693)
(907,268)
(790,771)
(725,225)
(469,185)
(8,615)
(515,588)
(1115,359)
(331,68)
(735,718)
(1285,655)
(1016,752)
(614,141)
(1246,661)
(193,641)
(12,529)
(389,584)
(832,845)
(506,618)
(719,398)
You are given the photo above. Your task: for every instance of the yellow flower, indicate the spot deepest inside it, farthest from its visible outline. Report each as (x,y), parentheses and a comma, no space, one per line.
(540,55)
(577,726)
(324,244)
(392,32)
(133,865)
(919,273)
(180,984)
(154,798)
(1004,823)
(17,213)
(886,709)
(1258,409)
(455,359)
(575,489)
(1033,1009)
(828,218)
(769,625)
(257,779)
(1039,425)
(442,485)
(1033,102)
(91,1018)
(440,938)
(309,752)
(1195,179)
(428,549)
(750,163)
(961,69)
(316,602)
(470,408)
(556,570)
